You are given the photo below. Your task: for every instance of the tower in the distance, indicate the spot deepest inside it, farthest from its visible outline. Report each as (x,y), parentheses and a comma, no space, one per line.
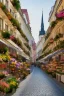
(42,32)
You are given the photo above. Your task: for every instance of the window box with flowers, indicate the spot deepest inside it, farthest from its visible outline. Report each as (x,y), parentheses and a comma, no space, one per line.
(14,21)
(4,9)
(59,46)
(60,15)
(53,24)
(47,35)
(59,35)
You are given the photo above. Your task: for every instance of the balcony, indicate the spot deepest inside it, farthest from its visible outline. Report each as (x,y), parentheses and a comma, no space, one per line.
(27,45)
(7,35)
(14,22)
(52,43)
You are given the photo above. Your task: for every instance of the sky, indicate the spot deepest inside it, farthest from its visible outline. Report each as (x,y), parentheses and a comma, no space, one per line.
(35,8)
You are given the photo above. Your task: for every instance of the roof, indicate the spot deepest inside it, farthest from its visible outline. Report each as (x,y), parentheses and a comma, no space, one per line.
(42,32)
(24,11)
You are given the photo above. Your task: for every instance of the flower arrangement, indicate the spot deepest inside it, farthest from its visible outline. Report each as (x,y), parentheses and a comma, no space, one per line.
(4,86)
(13,83)
(4,57)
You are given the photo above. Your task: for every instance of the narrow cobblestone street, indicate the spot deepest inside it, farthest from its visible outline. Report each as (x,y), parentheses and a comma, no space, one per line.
(38,84)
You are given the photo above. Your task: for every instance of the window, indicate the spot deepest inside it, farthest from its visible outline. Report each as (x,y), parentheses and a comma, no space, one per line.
(7,4)
(6,27)
(10,11)
(15,16)
(1,24)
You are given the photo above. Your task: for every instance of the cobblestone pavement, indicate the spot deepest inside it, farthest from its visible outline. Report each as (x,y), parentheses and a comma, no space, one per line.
(38,84)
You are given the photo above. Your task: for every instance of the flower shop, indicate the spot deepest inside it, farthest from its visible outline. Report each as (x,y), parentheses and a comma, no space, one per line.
(13,69)
(55,65)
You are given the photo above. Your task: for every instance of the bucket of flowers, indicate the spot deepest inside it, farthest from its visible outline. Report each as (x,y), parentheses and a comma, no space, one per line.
(13,83)
(4,87)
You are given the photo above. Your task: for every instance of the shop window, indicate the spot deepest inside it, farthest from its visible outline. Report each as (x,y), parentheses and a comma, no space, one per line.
(1,24)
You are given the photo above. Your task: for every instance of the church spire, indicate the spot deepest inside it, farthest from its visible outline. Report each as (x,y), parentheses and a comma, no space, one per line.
(42,32)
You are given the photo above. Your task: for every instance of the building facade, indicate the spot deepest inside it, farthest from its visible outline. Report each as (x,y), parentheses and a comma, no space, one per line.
(41,40)
(13,25)
(54,37)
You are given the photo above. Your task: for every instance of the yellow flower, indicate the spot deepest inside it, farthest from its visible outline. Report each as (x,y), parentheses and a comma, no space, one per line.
(13,83)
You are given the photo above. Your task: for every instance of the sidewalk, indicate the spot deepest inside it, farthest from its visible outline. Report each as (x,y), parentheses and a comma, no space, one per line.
(60,84)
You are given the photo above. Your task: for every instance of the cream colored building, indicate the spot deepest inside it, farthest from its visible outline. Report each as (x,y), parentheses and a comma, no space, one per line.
(17,27)
(54,36)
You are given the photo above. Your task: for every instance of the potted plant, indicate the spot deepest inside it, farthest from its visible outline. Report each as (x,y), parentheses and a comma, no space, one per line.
(53,24)
(16,4)
(6,34)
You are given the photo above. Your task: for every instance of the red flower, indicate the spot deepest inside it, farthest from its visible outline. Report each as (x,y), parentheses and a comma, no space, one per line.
(12,37)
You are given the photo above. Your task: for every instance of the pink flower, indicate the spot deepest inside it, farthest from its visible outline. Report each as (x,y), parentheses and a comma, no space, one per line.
(12,37)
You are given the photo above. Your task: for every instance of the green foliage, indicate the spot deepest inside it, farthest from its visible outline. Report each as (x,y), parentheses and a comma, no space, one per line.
(53,24)
(5,49)
(60,45)
(6,35)
(60,19)
(15,22)
(16,4)
(47,35)
(4,7)
(59,35)
(11,79)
